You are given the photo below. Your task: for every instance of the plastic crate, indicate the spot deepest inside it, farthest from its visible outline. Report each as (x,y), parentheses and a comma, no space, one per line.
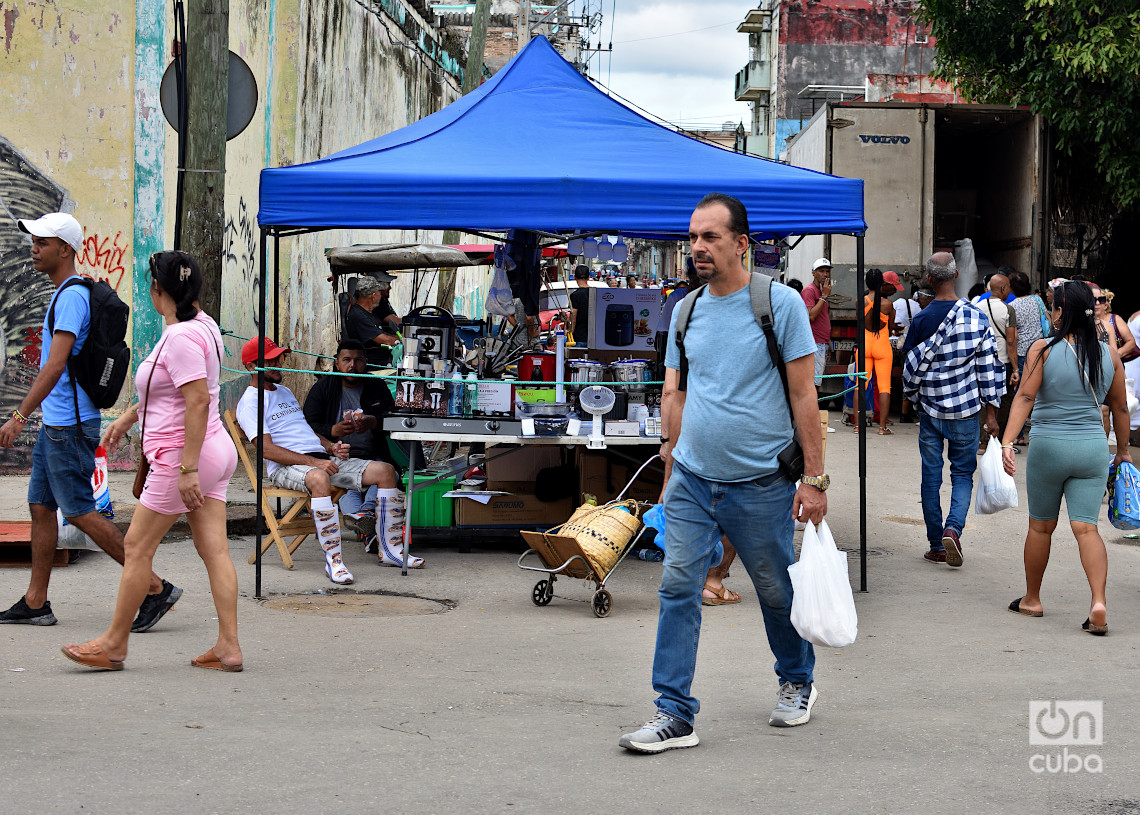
(429,507)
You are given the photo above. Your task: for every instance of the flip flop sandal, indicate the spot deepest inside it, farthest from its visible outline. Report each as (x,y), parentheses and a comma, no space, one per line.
(1016,608)
(721,598)
(1091,627)
(91,655)
(886,431)
(210,661)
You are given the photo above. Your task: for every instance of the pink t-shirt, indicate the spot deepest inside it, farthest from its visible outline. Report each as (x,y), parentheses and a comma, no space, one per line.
(186,352)
(821,325)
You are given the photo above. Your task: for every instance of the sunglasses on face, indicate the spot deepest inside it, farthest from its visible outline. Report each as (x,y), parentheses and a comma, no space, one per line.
(1101,299)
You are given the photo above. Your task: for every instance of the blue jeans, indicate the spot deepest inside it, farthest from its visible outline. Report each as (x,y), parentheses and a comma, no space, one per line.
(961,438)
(757,517)
(353,501)
(62,463)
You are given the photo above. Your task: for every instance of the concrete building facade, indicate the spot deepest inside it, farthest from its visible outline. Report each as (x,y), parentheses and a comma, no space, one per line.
(83,131)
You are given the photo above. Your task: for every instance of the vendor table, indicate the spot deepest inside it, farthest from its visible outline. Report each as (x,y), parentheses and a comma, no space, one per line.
(511,443)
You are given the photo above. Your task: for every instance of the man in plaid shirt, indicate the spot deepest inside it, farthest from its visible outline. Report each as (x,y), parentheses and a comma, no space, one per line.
(951,373)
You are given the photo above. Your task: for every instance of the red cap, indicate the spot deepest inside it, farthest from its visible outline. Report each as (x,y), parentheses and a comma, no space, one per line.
(893,279)
(272,351)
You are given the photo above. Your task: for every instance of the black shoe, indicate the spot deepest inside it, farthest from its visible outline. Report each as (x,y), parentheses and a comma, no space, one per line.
(906,418)
(154,606)
(20,613)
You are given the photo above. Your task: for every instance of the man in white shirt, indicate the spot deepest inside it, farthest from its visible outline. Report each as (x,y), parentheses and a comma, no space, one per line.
(298,459)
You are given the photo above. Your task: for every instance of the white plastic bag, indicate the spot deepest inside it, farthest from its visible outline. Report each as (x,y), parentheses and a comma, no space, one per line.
(823,607)
(996,489)
(500,300)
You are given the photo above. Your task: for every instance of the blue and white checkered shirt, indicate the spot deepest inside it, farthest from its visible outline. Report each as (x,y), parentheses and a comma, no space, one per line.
(956,372)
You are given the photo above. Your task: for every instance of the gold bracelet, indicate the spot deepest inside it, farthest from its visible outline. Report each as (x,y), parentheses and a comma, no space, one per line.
(183,469)
(1007,446)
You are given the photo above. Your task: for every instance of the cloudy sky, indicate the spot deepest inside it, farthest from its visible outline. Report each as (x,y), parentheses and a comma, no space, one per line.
(675,58)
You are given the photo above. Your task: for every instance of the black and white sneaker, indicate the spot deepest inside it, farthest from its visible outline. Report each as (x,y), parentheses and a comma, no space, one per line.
(793,704)
(660,733)
(362,524)
(154,606)
(21,614)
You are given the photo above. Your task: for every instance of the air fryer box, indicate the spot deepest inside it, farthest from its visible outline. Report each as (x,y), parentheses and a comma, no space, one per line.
(624,320)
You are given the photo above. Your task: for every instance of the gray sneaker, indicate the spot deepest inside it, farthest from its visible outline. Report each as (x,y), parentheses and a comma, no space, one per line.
(660,733)
(793,704)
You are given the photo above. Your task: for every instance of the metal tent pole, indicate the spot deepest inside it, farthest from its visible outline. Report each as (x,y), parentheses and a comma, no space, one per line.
(260,441)
(861,328)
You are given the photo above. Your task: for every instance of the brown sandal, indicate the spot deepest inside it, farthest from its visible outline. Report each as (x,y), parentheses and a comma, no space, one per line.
(725,597)
(210,660)
(90,655)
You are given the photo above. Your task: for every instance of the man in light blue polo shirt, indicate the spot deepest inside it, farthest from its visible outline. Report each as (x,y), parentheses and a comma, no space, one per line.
(720,440)
(63,458)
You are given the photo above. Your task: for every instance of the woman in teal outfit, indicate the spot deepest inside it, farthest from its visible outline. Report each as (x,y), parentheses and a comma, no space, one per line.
(1067,379)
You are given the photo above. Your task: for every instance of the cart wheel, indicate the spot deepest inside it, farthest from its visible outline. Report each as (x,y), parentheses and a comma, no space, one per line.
(602,603)
(543,591)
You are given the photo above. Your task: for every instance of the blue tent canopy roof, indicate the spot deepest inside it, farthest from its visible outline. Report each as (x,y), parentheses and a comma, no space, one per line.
(538,147)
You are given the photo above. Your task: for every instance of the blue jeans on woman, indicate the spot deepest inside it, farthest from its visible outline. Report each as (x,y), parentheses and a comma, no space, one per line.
(757,517)
(961,440)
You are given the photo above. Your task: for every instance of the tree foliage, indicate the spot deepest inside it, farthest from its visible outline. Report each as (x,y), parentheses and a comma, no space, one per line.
(1074,62)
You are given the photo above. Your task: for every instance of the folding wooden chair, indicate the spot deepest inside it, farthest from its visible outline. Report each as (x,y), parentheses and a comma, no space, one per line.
(291,523)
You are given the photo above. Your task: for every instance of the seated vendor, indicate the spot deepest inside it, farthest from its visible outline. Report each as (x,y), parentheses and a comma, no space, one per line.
(330,401)
(299,459)
(378,334)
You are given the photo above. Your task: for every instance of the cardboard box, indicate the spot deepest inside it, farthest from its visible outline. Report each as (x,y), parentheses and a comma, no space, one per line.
(641,310)
(623,428)
(516,471)
(513,510)
(604,473)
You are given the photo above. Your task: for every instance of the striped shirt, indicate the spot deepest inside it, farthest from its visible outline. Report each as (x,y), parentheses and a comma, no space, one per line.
(956,372)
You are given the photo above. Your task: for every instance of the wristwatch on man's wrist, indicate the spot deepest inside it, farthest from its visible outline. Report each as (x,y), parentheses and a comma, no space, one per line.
(820,482)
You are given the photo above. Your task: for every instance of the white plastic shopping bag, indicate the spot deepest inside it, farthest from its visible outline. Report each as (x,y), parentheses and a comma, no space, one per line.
(823,607)
(996,488)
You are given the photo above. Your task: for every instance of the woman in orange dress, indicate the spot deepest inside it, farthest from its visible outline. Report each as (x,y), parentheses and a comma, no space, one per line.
(878,313)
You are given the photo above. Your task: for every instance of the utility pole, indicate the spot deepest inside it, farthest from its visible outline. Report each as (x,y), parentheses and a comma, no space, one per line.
(472,79)
(523,27)
(207,96)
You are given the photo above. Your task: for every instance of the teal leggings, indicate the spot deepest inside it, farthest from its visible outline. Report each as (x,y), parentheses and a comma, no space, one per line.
(1076,467)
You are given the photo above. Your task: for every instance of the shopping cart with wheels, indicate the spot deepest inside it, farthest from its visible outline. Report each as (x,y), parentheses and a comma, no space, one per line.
(587,547)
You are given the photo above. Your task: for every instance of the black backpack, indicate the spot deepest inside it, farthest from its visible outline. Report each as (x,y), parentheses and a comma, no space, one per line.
(101,366)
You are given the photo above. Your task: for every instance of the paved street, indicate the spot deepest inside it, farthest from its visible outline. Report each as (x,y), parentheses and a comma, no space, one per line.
(495,705)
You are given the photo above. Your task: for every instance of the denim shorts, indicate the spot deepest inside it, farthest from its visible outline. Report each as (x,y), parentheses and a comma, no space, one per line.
(63,462)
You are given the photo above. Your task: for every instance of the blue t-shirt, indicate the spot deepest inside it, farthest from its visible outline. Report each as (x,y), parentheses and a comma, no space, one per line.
(736,419)
(73,315)
(926,322)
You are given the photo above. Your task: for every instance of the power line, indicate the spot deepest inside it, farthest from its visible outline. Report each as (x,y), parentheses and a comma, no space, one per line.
(679,33)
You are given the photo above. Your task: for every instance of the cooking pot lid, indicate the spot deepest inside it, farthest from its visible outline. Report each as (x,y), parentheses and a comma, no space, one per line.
(632,362)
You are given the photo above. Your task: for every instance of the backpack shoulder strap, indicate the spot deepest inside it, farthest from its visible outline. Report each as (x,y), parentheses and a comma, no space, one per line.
(684,311)
(67,284)
(760,289)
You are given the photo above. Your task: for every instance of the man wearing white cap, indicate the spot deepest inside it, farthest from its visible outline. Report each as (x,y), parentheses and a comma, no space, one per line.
(815,296)
(63,458)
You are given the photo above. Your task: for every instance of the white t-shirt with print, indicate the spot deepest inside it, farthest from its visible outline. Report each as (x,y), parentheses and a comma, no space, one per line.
(284,422)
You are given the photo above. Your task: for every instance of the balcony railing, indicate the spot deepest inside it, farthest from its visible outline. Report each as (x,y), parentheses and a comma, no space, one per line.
(754,82)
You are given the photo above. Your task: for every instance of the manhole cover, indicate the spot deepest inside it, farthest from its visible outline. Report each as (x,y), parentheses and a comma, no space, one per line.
(357,605)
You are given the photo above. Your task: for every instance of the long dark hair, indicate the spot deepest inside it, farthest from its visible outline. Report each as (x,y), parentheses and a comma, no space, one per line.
(874,281)
(1078,319)
(178,275)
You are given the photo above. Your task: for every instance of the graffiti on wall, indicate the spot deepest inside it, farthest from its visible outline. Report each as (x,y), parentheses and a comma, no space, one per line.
(239,271)
(106,258)
(25,192)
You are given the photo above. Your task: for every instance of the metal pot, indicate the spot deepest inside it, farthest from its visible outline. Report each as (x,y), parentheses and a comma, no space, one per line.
(631,374)
(585,372)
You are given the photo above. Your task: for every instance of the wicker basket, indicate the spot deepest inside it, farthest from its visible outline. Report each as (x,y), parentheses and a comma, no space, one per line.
(602,533)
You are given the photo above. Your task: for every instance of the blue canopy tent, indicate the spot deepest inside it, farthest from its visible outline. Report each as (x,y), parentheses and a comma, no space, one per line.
(539,148)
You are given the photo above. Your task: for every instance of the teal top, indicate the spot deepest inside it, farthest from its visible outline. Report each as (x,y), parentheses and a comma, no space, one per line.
(1065,405)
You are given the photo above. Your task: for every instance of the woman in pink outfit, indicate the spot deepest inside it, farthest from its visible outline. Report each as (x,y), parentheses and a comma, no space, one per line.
(191,458)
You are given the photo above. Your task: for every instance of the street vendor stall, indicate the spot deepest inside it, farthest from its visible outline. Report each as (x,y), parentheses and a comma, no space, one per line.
(538,152)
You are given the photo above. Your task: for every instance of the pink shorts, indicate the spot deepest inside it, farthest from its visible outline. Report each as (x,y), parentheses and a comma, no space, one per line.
(216,464)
